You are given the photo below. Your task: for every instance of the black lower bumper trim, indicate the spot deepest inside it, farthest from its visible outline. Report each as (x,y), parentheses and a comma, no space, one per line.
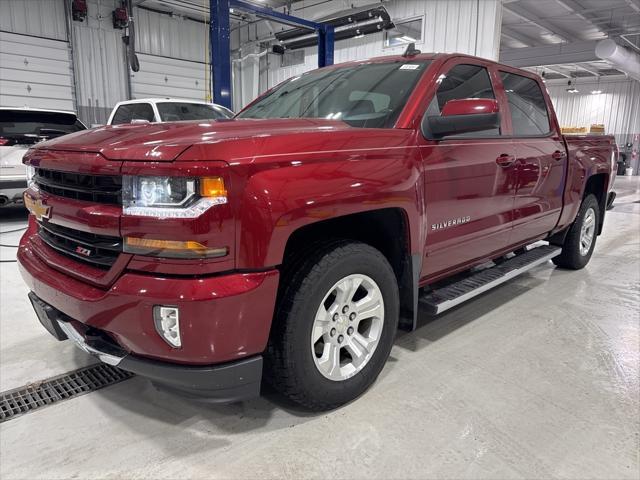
(610,200)
(228,382)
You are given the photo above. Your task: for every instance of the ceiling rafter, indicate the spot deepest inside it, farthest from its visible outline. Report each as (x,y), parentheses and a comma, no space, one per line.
(522,38)
(555,70)
(530,17)
(599,22)
(635,4)
(590,70)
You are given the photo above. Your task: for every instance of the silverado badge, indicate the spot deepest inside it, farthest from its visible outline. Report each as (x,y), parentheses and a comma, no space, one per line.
(450,223)
(39,209)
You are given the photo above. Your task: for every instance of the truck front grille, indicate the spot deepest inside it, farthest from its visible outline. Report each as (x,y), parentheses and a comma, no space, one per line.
(97,250)
(78,186)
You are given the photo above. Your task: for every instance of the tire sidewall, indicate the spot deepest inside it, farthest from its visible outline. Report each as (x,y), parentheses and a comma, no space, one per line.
(306,302)
(589,202)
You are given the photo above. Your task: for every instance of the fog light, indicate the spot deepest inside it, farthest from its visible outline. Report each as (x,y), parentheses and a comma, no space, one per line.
(167,321)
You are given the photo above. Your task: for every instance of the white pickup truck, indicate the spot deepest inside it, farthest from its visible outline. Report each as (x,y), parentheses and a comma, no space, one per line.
(154,110)
(20,128)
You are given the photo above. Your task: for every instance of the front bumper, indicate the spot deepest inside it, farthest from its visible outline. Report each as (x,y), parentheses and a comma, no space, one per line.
(223,318)
(229,382)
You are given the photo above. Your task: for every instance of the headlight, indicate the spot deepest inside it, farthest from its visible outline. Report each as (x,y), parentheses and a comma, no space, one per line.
(171,197)
(31,172)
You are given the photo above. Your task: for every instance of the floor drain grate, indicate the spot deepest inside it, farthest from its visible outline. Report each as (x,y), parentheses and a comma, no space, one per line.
(37,395)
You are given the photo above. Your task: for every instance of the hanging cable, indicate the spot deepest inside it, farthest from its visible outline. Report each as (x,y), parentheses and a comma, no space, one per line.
(12,231)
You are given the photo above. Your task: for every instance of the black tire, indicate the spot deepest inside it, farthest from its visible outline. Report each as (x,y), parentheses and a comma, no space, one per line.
(571,257)
(289,364)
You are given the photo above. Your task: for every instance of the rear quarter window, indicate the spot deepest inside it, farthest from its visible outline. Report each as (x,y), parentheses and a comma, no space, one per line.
(133,111)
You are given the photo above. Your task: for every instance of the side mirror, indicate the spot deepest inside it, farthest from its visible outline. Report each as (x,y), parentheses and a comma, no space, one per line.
(462,116)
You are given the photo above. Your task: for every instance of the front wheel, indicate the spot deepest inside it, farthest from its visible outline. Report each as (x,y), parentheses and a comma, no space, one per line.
(335,326)
(581,240)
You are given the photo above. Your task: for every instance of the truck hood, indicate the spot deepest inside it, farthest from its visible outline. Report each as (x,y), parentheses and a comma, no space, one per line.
(164,142)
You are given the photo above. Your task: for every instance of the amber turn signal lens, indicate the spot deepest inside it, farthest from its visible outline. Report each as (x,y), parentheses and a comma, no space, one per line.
(212,187)
(171,248)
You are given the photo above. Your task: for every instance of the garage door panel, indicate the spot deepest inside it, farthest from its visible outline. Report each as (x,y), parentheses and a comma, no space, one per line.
(170,81)
(16,62)
(18,101)
(175,70)
(35,72)
(29,52)
(34,90)
(43,78)
(168,77)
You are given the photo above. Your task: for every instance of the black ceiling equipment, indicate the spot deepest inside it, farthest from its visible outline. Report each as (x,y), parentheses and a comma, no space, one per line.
(347,24)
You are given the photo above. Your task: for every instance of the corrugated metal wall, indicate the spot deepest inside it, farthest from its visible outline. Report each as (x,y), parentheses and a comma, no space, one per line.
(617,107)
(172,55)
(465,26)
(99,61)
(173,37)
(40,18)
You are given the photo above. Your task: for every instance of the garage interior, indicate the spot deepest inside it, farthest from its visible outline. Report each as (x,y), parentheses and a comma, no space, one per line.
(539,378)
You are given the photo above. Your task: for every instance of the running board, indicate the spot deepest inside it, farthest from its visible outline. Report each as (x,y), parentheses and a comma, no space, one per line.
(437,301)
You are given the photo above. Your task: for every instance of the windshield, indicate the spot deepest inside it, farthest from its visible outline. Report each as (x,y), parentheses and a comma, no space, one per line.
(368,95)
(175,112)
(29,127)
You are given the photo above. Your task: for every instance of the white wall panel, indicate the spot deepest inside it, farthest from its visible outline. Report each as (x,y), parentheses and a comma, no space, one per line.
(99,62)
(464,26)
(617,107)
(35,72)
(173,37)
(41,18)
(167,77)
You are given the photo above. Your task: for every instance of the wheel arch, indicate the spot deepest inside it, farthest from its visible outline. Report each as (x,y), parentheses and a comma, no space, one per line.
(386,229)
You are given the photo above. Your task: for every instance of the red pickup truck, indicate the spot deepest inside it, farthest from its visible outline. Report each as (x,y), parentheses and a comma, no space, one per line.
(290,243)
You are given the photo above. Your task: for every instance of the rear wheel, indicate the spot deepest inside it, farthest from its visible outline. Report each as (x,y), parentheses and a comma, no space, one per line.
(581,238)
(335,325)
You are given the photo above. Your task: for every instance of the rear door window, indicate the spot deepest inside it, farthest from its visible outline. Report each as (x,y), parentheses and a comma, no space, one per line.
(463,81)
(28,127)
(529,115)
(178,111)
(133,111)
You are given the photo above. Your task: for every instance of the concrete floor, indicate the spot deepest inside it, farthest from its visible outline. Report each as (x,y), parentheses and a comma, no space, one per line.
(537,379)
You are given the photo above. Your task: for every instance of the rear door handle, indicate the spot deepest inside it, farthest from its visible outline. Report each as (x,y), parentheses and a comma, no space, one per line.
(505,160)
(558,155)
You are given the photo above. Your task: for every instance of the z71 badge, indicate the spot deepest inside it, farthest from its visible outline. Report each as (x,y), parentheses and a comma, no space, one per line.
(450,223)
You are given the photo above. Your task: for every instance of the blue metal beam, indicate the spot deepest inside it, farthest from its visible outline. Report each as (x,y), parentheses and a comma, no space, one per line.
(220,52)
(325,46)
(220,42)
(280,17)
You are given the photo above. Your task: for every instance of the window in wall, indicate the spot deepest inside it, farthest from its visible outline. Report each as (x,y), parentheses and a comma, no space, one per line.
(133,111)
(293,57)
(404,33)
(463,81)
(529,114)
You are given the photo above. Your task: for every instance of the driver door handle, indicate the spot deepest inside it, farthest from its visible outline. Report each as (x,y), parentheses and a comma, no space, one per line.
(558,155)
(505,160)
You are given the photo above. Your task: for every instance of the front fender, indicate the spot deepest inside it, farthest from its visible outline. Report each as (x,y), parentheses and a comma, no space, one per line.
(279,201)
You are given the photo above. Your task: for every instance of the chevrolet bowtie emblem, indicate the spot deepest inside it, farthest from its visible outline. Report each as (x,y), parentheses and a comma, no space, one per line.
(36,207)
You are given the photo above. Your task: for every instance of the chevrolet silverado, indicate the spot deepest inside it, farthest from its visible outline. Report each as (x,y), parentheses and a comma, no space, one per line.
(289,243)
